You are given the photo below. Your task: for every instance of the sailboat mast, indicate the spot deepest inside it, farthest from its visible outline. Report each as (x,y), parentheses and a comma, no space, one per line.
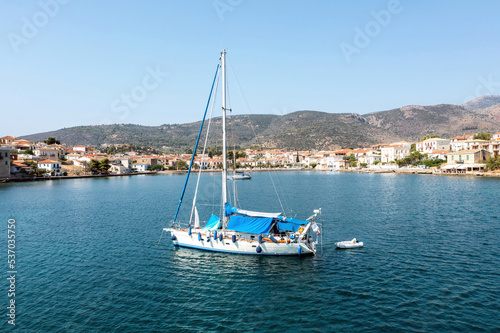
(224,148)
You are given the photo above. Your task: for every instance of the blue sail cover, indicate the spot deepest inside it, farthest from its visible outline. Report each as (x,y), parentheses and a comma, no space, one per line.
(291,224)
(255,225)
(230,210)
(212,224)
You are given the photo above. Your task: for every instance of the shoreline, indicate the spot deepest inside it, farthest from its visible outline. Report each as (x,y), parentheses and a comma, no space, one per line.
(373,171)
(425,172)
(36,179)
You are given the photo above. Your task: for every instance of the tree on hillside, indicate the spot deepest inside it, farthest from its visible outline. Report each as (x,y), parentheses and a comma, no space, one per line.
(104,165)
(239,154)
(430,137)
(50,141)
(28,152)
(482,136)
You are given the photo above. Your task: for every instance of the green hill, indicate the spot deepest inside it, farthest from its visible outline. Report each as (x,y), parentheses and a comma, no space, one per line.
(299,130)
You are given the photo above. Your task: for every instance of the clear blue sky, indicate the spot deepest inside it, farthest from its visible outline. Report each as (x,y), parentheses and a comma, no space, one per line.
(83,56)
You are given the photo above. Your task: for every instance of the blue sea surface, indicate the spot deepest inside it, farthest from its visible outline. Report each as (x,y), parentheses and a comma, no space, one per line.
(88,256)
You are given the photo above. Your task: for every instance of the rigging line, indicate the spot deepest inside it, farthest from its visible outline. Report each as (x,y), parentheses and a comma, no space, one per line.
(204,149)
(235,186)
(249,118)
(245,102)
(213,194)
(281,187)
(228,96)
(195,147)
(283,210)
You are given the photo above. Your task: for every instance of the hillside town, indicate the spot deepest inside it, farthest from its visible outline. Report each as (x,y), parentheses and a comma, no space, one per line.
(469,154)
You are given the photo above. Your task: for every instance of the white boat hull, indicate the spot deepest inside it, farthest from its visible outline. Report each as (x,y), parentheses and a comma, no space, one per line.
(240,246)
(348,245)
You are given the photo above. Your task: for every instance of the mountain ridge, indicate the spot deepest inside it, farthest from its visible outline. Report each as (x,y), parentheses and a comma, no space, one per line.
(301,130)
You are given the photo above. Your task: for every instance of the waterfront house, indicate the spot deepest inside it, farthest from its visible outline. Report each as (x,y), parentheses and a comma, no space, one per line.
(4,162)
(151,160)
(369,159)
(433,144)
(496,136)
(53,167)
(438,154)
(141,167)
(394,152)
(19,166)
(466,161)
(118,168)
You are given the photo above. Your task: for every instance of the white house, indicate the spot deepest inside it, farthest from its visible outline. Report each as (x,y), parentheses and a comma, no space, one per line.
(438,154)
(433,144)
(47,153)
(369,159)
(118,169)
(394,152)
(81,149)
(72,157)
(141,167)
(52,166)
(458,145)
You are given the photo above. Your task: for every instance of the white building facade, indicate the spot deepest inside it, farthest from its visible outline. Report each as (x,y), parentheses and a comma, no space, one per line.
(433,144)
(394,152)
(52,166)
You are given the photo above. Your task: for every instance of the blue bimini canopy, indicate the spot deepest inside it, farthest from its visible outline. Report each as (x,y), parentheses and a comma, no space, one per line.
(212,224)
(291,224)
(253,225)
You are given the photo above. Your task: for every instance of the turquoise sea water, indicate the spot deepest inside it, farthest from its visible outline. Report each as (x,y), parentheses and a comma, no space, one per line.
(88,258)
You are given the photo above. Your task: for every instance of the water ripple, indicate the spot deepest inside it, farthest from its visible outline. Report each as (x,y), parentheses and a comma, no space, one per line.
(88,258)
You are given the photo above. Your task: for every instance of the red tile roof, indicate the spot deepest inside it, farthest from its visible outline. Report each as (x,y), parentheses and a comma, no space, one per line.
(47,161)
(439,152)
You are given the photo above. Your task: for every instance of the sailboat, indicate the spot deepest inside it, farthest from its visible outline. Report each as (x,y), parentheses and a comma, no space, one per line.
(240,175)
(241,231)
